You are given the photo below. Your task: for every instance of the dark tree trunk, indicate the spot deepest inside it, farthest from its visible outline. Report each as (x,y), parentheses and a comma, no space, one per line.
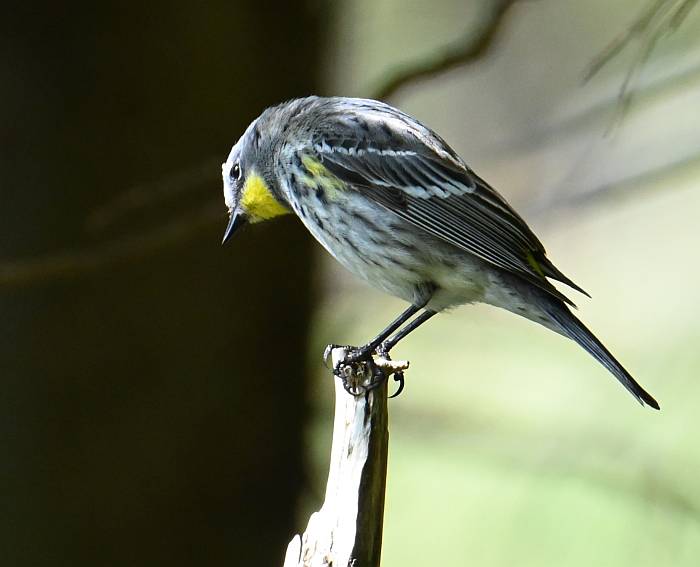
(143,419)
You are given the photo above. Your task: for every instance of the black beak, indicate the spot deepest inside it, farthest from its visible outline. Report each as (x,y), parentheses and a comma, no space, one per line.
(236,221)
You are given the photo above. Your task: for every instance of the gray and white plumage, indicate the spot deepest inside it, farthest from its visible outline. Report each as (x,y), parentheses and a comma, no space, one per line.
(393,203)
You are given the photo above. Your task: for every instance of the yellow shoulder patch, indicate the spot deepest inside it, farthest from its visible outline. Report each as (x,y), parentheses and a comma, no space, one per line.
(257,200)
(534,263)
(321,177)
(314,167)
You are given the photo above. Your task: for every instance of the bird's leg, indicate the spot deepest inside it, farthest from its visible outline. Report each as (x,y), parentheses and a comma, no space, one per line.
(363,355)
(361,358)
(388,344)
(363,352)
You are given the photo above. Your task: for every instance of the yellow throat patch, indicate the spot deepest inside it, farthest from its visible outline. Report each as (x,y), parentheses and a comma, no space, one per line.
(257,200)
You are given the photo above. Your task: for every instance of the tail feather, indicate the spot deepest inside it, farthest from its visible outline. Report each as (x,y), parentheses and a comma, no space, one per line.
(553,272)
(574,329)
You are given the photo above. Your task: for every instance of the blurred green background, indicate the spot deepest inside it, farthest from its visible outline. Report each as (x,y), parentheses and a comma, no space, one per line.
(143,421)
(510,445)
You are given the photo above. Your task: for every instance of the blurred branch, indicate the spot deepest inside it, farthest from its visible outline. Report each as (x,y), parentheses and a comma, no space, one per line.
(661,18)
(347,530)
(465,51)
(175,228)
(148,194)
(631,187)
(74,263)
(656,91)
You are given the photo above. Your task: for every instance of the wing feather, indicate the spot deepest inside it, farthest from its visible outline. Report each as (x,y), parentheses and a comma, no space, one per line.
(419,178)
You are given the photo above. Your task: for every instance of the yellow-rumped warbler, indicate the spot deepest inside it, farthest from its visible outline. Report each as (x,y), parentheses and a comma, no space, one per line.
(393,203)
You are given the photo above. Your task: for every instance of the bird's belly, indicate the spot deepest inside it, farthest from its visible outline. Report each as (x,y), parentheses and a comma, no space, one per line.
(361,238)
(459,278)
(394,256)
(382,267)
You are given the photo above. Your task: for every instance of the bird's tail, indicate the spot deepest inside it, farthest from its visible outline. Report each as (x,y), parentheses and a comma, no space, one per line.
(570,326)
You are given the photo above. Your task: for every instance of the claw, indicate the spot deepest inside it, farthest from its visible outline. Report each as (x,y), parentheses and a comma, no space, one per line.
(352,365)
(327,355)
(355,390)
(398,377)
(344,371)
(328,352)
(383,351)
(360,362)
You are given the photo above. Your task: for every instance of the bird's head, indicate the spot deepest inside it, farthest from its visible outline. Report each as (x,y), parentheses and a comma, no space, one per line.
(251,189)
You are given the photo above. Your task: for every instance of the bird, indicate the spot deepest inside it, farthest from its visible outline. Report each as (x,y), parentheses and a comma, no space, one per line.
(391,201)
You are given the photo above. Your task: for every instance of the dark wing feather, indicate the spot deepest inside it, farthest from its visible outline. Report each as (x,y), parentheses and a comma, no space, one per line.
(441,196)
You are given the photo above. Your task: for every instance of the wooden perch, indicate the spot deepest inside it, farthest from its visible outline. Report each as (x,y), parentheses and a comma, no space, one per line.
(347,530)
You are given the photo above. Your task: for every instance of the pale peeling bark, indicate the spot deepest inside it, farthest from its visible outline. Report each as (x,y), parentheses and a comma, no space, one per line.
(347,530)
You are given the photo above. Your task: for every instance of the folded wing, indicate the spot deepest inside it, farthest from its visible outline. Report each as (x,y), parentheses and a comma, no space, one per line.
(431,189)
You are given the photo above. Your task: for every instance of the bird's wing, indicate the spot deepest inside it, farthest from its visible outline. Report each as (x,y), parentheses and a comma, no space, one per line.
(429,187)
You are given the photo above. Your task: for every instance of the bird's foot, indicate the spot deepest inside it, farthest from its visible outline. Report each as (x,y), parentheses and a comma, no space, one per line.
(383,352)
(360,372)
(356,369)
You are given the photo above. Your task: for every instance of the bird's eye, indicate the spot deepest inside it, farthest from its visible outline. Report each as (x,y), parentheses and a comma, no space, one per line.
(236,172)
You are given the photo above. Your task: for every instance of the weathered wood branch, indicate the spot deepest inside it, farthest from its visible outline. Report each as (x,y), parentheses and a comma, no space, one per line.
(347,530)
